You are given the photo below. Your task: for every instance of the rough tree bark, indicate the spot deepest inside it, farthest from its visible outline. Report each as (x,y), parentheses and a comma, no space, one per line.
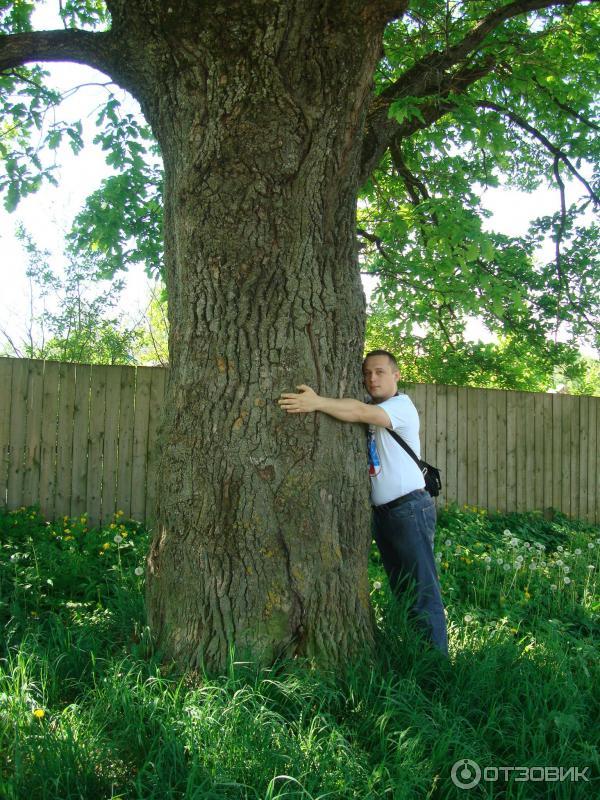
(263,532)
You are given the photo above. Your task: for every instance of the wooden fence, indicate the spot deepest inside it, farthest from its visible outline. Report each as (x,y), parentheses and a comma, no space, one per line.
(77,438)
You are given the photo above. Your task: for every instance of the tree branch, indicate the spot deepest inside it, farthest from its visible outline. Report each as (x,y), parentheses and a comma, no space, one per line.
(106,51)
(552,148)
(82,47)
(430,75)
(571,111)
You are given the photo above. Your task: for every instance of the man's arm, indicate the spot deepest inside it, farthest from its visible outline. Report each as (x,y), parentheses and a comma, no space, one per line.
(345,409)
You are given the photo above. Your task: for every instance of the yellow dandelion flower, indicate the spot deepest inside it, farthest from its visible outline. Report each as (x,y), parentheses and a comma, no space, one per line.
(101,553)
(83,520)
(124,534)
(445,564)
(120,513)
(69,538)
(112,526)
(39,713)
(106,545)
(67,530)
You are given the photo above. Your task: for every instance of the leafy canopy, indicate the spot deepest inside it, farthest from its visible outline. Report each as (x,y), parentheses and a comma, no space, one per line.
(452,117)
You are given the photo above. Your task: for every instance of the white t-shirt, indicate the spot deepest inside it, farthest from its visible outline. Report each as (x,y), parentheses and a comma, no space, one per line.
(392,471)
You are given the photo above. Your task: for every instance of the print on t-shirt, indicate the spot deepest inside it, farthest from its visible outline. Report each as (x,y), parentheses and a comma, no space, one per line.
(374,461)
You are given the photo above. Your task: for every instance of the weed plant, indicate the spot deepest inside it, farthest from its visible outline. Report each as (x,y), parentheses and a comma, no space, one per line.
(89,711)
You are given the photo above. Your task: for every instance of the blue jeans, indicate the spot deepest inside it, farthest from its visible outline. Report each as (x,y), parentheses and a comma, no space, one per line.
(404,536)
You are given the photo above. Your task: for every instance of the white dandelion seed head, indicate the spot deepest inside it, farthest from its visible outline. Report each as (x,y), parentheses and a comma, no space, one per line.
(448,542)
(139,571)
(566,579)
(118,539)
(507,532)
(506,567)
(500,561)
(559,562)
(591,566)
(487,566)
(533,565)
(577,551)
(527,545)
(553,586)
(468,618)
(377,584)
(514,542)
(590,545)
(488,559)
(566,569)
(560,548)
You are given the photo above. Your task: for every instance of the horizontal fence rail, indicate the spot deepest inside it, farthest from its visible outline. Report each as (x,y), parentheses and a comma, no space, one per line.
(77,438)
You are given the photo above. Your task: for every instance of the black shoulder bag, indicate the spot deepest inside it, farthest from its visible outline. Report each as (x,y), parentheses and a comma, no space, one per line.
(433,480)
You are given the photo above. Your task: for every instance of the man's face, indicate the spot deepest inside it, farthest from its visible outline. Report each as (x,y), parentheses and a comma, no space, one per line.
(380,378)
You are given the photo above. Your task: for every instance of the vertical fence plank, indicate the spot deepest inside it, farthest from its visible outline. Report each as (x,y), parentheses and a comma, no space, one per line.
(441,438)
(593,465)
(511,450)
(501,449)
(556,452)
(6,365)
(48,447)
(126,440)
(96,443)
(18,420)
(538,462)
(565,494)
(472,446)
(596,470)
(81,420)
(64,448)
(450,478)
(492,446)
(482,448)
(574,449)
(462,446)
(583,439)
(548,454)
(111,442)
(430,432)
(520,477)
(140,442)
(528,444)
(157,394)
(31,466)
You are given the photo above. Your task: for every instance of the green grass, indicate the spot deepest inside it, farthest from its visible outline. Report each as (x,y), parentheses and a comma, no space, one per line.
(88,711)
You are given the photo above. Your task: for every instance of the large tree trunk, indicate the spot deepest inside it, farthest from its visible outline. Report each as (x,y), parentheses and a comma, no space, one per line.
(263,531)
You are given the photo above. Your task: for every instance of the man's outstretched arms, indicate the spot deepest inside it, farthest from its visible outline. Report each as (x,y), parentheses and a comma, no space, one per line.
(344,409)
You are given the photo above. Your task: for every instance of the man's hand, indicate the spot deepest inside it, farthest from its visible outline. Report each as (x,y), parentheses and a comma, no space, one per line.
(302,403)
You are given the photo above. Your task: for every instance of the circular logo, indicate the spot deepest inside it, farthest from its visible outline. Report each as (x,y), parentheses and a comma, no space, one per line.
(465,773)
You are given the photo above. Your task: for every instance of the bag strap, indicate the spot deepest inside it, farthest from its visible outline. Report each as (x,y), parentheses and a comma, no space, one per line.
(406,447)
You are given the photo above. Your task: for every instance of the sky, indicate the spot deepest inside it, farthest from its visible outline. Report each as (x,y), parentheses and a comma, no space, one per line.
(48,214)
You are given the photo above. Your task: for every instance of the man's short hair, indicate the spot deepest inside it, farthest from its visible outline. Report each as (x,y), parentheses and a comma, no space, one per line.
(391,357)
